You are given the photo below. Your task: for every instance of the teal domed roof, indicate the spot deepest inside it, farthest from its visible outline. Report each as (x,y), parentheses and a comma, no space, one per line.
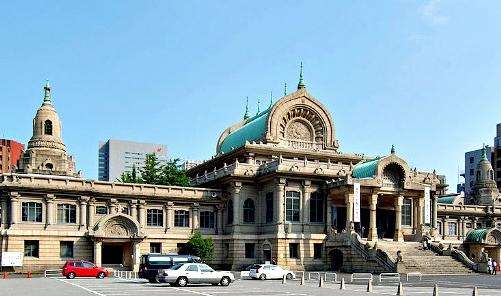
(253,129)
(366,169)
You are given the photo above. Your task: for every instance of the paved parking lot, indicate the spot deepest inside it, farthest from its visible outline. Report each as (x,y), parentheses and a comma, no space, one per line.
(121,287)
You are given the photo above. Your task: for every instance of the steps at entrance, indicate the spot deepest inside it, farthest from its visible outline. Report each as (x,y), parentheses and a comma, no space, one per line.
(424,261)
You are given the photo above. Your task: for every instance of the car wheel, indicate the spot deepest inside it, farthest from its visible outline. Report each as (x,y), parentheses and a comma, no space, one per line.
(101,275)
(225,281)
(71,275)
(182,281)
(154,280)
(289,276)
(262,277)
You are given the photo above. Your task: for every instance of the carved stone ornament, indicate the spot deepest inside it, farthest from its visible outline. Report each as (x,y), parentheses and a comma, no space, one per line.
(115,230)
(298,130)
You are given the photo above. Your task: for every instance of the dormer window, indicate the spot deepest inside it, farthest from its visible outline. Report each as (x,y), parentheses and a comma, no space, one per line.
(48,127)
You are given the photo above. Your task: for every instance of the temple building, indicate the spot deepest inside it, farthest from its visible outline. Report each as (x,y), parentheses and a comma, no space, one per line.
(279,188)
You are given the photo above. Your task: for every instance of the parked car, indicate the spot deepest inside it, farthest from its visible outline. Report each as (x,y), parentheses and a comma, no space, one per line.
(270,271)
(81,268)
(152,263)
(195,273)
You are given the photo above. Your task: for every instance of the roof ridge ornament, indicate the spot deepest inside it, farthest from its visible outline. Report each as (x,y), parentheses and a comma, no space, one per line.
(392,151)
(258,103)
(285,89)
(47,96)
(484,152)
(301,84)
(246,114)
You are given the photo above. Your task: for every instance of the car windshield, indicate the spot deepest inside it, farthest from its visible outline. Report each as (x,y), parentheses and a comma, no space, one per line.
(176,266)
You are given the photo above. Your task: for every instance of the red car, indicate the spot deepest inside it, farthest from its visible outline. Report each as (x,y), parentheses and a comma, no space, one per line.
(81,268)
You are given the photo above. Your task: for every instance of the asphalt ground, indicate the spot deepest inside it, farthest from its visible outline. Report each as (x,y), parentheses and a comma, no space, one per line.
(448,285)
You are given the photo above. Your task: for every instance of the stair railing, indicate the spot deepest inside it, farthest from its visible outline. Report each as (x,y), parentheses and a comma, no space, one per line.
(456,254)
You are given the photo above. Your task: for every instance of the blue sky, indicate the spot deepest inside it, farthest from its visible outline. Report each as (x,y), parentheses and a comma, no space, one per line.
(422,75)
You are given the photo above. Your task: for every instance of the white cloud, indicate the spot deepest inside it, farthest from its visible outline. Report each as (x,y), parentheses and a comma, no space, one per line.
(431,12)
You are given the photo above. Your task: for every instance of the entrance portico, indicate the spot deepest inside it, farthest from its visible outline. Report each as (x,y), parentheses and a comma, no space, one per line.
(116,241)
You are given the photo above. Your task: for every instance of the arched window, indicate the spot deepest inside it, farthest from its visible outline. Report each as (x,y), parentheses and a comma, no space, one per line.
(229,209)
(393,176)
(47,127)
(49,166)
(316,207)
(249,210)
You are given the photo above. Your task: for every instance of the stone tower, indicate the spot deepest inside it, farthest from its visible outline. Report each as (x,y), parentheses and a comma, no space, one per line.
(46,153)
(485,191)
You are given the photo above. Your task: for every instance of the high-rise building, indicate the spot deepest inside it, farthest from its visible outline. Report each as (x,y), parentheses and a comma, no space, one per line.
(471,160)
(10,152)
(117,157)
(496,162)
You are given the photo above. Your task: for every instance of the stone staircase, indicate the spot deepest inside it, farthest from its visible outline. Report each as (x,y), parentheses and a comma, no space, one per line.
(424,261)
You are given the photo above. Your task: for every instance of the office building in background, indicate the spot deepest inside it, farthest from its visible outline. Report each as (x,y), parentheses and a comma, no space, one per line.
(116,157)
(10,152)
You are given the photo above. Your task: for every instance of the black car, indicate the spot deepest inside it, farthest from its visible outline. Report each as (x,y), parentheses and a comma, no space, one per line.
(151,263)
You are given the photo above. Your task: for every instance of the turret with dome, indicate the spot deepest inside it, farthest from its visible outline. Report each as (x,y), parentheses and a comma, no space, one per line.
(485,191)
(46,153)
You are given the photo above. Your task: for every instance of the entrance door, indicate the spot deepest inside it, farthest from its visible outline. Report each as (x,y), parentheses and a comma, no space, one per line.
(112,254)
(385,223)
(336,257)
(267,253)
(338,218)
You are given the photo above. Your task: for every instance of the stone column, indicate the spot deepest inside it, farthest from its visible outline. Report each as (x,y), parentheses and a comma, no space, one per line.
(328,214)
(113,206)
(4,223)
(420,211)
(133,209)
(349,199)
(305,205)
(136,256)
(372,219)
(237,209)
(14,209)
(142,213)
(414,215)
(50,212)
(219,219)
(195,209)
(92,213)
(399,237)
(280,196)
(97,252)
(168,215)
(83,211)
(434,208)
(463,227)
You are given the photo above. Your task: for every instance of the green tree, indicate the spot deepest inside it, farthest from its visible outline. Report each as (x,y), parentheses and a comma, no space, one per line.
(173,175)
(150,173)
(130,177)
(200,246)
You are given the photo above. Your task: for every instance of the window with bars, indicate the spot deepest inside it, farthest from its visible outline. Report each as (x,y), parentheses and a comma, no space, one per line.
(66,249)
(250,250)
(292,207)
(317,251)
(207,219)
(316,207)
(31,248)
(154,217)
(269,207)
(182,218)
(31,212)
(249,211)
(66,213)
(407,212)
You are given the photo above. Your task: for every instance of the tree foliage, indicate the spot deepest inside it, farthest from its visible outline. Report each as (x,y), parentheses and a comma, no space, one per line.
(200,246)
(157,173)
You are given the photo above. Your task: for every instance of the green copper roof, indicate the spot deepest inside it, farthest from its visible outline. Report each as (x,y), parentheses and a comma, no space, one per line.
(366,169)
(477,235)
(446,199)
(253,130)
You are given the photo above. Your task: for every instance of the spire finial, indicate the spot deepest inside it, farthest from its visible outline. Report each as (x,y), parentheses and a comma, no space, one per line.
(285,89)
(484,152)
(271,98)
(301,85)
(246,115)
(392,149)
(258,103)
(46,98)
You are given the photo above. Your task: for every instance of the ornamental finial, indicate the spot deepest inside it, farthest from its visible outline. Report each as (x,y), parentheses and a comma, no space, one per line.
(47,98)
(246,114)
(258,103)
(301,85)
(271,99)
(392,149)
(285,89)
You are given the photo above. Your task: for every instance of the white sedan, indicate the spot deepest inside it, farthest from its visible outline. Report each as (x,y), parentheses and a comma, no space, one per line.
(270,271)
(194,273)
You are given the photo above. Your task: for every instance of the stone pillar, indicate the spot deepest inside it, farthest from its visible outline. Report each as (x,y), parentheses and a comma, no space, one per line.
(14,209)
(349,199)
(97,252)
(237,209)
(4,223)
(463,227)
(219,219)
(434,208)
(305,205)
(50,212)
(92,213)
(399,237)
(169,215)
(113,206)
(444,227)
(280,208)
(136,256)
(83,211)
(372,219)
(420,211)
(142,213)
(133,209)
(414,215)
(195,209)
(328,213)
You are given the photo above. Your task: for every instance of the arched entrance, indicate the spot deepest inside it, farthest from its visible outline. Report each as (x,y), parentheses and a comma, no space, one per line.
(336,259)
(267,252)
(116,241)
